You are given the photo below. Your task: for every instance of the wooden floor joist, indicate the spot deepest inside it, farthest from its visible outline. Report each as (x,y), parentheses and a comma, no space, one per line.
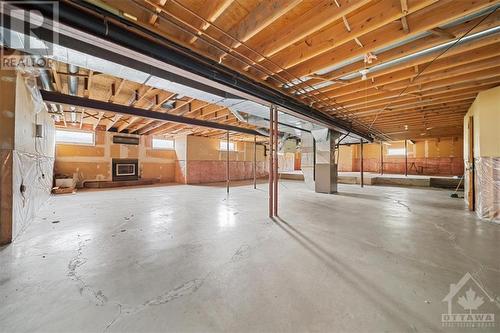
(314,53)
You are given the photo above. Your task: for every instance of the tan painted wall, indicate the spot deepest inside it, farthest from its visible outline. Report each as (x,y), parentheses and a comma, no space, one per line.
(486,119)
(94,162)
(486,113)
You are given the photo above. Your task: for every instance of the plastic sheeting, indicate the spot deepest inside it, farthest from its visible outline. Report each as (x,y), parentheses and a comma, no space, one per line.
(32,156)
(31,184)
(488,188)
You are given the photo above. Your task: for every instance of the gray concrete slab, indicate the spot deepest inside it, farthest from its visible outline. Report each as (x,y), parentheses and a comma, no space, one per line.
(190,259)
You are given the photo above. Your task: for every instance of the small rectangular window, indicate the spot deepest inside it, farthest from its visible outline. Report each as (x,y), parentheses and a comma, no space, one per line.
(75,137)
(223,146)
(163,143)
(395,151)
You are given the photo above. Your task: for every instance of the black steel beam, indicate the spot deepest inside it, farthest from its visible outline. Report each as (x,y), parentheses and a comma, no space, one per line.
(108,26)
(58,98)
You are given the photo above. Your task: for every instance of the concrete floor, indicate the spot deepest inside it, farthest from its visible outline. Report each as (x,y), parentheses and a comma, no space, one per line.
(189,259)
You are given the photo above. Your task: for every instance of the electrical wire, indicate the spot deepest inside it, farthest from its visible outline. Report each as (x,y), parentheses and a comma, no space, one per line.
(430,63)
(251,63)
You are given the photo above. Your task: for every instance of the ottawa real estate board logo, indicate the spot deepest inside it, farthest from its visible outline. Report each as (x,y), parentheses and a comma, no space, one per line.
(469,305)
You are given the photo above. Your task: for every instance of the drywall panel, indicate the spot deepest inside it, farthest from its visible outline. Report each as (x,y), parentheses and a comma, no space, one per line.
(486,113)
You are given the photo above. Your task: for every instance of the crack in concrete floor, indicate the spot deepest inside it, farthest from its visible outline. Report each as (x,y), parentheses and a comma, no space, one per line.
(185,289)
(384,225)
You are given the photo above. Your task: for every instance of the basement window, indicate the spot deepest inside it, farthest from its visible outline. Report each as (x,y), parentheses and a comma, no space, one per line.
(395,152)
(166,144)
(223,145)
(75,137)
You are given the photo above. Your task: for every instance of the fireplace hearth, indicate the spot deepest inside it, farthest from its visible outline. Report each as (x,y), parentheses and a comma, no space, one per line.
(125,169)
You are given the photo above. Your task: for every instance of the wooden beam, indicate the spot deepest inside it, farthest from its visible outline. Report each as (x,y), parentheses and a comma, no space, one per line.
(438,14)
(397,52)
(360,24)
(258,19)
(211,10)
(154,17)
(443,33)
(117,89)
(57,78)
(400,78)
(404,23)
(116,118)
(313,20)
(157,108)
(99,117)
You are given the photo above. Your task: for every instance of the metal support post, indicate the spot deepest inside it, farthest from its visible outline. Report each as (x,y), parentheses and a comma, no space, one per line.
(361,164)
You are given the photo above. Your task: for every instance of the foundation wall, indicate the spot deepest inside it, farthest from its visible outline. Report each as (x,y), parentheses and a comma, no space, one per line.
(194,160)
(85,163)
(33,158)
(205,162)
(7,112)
(26,158)
(439,156)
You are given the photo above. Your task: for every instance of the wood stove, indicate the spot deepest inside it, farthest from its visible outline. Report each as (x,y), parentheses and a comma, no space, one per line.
(125,169)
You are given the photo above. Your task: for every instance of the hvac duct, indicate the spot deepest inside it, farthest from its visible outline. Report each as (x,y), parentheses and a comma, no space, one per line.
(73,79)
(45,79)
(73,87)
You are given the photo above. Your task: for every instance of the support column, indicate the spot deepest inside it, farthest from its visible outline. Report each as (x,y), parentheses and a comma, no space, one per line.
(314,158)
(255,162)
(276,175)
(307,158)
(326,168)
(406,157)
(381,158)
(227,162)
(361,163)
(271,160)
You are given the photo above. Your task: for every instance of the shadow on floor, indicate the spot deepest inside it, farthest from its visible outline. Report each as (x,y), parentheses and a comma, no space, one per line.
(232,183)
(392,307)
(360,196)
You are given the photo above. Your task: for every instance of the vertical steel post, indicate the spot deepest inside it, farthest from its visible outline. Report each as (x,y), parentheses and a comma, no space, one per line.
(406,157)
(271,171)
(227,161)
(381,158)
(361,166)
(314,159)
(255,161)
(276,166)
